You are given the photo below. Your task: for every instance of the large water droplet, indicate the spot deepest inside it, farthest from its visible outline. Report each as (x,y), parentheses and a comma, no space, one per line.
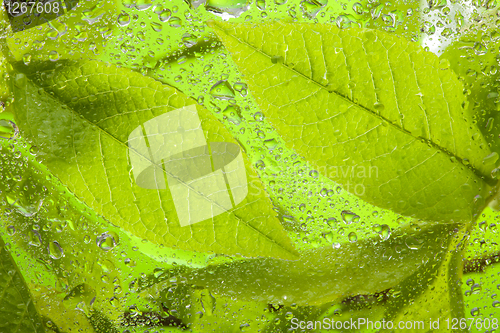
(123,19)
(35,239)
(490,159)
(107,240)
(164,15)
(222,90)
(80,297)
(8,129)
(349,217)
(55,250)
(189,40)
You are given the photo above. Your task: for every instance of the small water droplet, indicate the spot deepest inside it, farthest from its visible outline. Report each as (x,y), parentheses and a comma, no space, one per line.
(258,116)
(157,27)
(27,59)
(11,230)
(379,107)
(474,312)
(353,237)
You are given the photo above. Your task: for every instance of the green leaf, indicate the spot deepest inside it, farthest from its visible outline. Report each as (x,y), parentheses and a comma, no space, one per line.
(474,57)
(17,311)
(329,273)
(370,111)
(432,297)
(88,120)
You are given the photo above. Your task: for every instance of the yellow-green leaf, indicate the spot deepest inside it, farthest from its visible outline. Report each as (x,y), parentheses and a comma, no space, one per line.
(147,158)
(369,110)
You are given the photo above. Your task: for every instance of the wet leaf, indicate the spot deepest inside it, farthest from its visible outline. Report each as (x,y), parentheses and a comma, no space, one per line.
(147,158)
(17,313)
(400,117)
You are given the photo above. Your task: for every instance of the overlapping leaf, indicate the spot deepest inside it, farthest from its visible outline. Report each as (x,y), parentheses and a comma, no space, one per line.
(370,111)
(17,311)
(327,274)
(80,115)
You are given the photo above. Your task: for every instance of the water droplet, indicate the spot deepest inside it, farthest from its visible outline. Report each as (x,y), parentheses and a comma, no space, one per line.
(271,144)
(222,90)
(258,116)
(233,114)
(385,233)
(480,49)
(53,55)
(11,230)
(27,59)
(379,107)
(164,15)
(241,88)
(260,165)
(8,129)
(496,304)
(123,19)
(142,4)
(413,243)
(81,297)
(476,288)
(107,240)
(474,312)
(226,8)
(358,8)
(175,22)
(157,27)
(490,159)
(353,237)
(55,250)
(189,40)
(35,239)
(336,245)
(311,8)
(328,236)
(277,59)
(349,217)
(314,173)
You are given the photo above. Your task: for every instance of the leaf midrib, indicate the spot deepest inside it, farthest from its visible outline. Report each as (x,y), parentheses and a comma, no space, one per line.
(486,178)
(162,167)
